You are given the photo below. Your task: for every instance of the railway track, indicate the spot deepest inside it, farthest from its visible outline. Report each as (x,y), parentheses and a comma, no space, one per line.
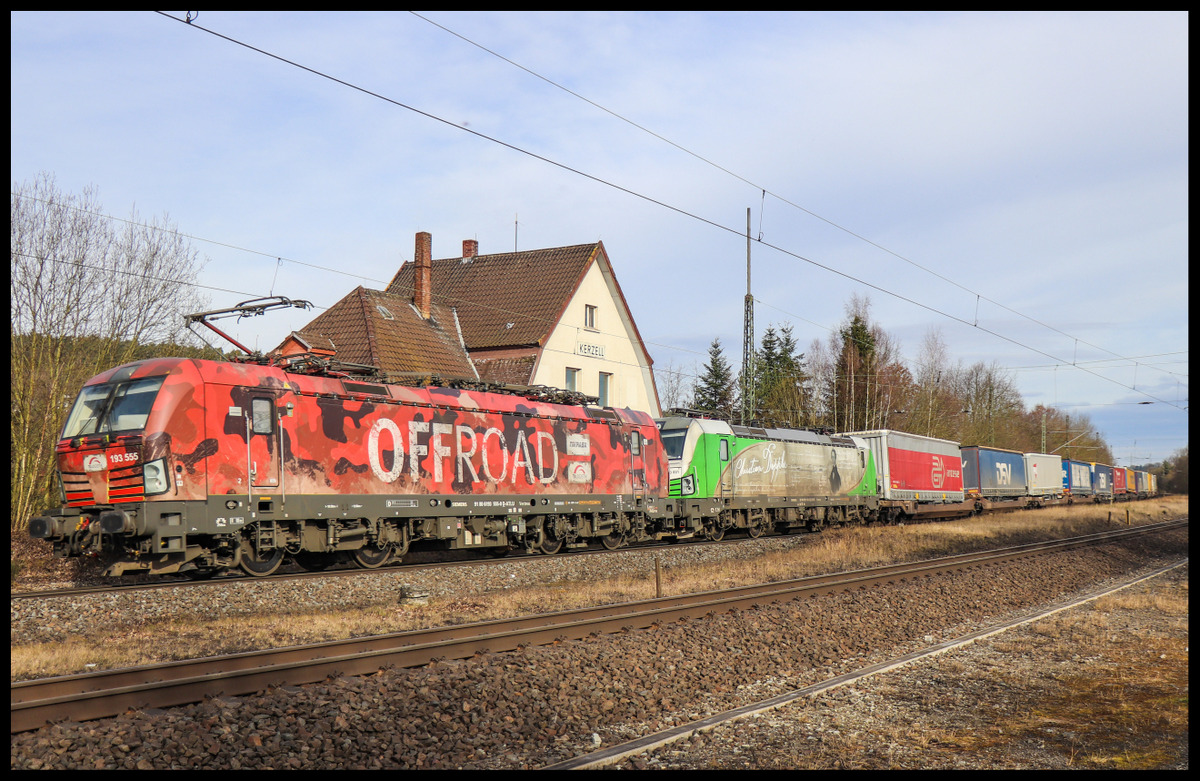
(471,558)
(108,693)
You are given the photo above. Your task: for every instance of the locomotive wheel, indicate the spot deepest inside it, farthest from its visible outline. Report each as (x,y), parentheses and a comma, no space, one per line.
(548,542)
(370,557)
(613,541)
(259,566)
(755,530)
(714,533)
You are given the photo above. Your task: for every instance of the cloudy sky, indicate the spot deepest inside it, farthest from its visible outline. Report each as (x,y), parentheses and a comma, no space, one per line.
(1016,181)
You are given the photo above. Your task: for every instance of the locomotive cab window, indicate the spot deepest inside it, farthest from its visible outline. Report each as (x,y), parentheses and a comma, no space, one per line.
(118,406)
(261,415)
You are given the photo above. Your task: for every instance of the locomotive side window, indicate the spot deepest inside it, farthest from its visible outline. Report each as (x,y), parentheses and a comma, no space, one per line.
(260,415)
(635,443)
(724,449)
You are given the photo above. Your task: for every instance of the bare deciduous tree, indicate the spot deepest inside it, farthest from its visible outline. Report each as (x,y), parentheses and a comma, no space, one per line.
(85,294)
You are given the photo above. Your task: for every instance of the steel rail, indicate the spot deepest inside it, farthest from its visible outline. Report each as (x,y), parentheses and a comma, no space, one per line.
(468,559)
(108,693)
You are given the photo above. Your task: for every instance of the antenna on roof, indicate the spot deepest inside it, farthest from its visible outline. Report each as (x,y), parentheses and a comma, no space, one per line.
(514,232)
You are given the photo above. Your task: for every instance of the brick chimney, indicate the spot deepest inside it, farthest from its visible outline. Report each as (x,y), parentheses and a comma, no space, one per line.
(470,248)
(422,287)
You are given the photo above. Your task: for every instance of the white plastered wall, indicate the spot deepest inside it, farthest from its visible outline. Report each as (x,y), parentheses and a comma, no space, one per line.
(573,345)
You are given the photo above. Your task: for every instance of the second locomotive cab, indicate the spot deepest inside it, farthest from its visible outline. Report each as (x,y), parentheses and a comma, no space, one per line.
(726,477)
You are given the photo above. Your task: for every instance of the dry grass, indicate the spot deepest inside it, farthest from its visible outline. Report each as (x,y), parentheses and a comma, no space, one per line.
(108,645)
(1115,696)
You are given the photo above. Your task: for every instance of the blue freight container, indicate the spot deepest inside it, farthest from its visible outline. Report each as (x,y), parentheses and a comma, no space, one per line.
(1102,480)
(992,472)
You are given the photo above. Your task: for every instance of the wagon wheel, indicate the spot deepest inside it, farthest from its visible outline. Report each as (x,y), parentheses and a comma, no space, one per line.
(259,566)
(613,541)
(549,542)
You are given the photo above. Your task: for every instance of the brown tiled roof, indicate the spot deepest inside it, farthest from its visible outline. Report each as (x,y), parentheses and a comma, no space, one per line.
(508,370)
(378,329)
(507,299)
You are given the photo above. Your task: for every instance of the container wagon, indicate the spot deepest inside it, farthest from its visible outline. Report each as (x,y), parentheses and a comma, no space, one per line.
(1044,476)
(1119,488)
(917,474)
(1143,484)
(1102,482)
(992,473)
(1077,478)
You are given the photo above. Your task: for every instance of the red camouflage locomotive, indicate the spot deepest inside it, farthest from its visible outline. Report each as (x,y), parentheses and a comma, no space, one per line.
(194,466)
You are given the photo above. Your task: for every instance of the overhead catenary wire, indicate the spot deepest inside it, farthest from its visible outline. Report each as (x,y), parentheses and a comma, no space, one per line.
(685,213)
(978,296)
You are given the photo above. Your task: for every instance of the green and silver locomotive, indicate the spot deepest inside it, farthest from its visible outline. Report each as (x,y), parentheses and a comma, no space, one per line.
(727,477)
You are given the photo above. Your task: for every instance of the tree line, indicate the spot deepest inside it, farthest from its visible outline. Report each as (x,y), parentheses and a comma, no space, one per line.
(857,380)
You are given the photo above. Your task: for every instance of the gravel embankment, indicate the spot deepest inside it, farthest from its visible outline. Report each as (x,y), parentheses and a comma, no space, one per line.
(540,705)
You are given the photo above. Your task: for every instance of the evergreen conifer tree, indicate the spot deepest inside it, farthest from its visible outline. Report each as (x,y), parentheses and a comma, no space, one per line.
(715,392)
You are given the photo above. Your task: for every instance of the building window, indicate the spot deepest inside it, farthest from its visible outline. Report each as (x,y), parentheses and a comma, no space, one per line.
(605,379)
(572,379)
(589,316)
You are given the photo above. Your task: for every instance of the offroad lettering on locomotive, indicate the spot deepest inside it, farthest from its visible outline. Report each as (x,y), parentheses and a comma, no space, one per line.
(471,454)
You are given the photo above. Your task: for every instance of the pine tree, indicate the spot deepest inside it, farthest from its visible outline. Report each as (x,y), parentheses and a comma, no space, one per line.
(781,383)
(715,392)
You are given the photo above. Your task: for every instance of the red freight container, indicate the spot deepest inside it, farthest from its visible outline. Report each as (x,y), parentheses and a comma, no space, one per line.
(1118,480)
(913,467)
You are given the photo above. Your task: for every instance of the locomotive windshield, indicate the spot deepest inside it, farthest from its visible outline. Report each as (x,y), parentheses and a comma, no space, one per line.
(673,442)
(112,407)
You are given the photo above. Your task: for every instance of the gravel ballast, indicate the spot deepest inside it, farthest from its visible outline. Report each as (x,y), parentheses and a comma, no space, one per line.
(535,706)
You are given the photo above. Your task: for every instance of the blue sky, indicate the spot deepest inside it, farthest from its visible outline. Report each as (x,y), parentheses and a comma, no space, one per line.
(957,168)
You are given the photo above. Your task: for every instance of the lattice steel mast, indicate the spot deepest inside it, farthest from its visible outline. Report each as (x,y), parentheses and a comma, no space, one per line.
(748,340)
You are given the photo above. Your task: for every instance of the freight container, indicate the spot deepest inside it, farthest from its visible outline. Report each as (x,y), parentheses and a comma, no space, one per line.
(993,473)
(1102,481)
(1131,483)
(1079,477)
(1118,481)
(911,467)
(1143,483)
(1044,475)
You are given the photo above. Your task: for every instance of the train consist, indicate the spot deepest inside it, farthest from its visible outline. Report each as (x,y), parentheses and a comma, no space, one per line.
(188,466)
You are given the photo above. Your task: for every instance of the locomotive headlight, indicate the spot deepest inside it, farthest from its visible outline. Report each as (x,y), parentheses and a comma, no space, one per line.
(154,475)
(687,485)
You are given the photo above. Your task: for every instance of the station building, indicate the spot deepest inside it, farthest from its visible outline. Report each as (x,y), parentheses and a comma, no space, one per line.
(553,317)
